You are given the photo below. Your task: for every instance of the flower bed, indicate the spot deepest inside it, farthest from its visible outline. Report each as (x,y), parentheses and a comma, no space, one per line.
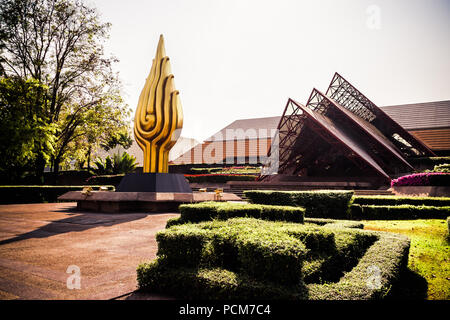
(423,179)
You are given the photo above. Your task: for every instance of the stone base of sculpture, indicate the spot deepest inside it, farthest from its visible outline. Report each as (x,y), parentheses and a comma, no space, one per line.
(123,202)
(154,182)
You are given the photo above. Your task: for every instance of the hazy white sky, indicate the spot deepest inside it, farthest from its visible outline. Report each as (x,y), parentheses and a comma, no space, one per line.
(238,59)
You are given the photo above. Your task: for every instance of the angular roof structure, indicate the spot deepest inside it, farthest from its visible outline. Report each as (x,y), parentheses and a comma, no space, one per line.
(352,99)
(342,133)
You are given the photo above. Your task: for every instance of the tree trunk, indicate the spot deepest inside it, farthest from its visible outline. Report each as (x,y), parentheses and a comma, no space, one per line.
(89,159)
(56,162)
(39,167)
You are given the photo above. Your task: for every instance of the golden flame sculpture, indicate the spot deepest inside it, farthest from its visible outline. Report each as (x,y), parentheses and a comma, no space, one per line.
(159,117)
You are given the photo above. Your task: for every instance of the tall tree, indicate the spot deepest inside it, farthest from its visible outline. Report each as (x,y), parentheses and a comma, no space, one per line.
(60,44)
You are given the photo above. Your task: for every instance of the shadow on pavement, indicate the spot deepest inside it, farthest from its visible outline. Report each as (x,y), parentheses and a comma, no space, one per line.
(78,221)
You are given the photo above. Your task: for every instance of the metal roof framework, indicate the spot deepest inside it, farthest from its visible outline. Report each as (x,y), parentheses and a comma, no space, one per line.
(345,94)
(343,121)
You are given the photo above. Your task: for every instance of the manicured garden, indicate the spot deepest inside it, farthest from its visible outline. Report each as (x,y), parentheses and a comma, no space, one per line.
(303,245)
(243,258)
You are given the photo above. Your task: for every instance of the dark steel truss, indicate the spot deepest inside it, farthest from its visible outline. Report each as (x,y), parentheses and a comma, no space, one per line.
(342,123)
(305,135)
(345,94)
(375,144)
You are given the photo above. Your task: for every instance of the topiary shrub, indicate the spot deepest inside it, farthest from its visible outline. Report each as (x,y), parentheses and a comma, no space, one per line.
(225,210)
(318,204)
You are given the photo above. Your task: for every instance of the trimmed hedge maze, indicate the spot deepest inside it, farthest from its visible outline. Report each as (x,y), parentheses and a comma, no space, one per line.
(247,258)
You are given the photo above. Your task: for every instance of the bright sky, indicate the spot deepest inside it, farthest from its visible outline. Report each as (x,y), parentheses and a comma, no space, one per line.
(237,59)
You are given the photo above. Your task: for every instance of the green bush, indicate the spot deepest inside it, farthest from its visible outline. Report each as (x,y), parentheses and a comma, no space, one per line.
(445,167)
(448,229)
(273,260)
(225,210)
(398,200)
(429,162)
(318,204)
(118,164)
(106,179)
(38,194)
(400,212)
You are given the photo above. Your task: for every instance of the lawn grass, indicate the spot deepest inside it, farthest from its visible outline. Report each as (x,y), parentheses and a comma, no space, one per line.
(429,255)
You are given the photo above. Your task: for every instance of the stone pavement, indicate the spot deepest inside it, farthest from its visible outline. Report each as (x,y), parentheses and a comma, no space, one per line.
(38,242)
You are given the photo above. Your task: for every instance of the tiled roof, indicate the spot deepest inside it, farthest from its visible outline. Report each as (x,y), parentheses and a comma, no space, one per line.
(424,115)
(247,128)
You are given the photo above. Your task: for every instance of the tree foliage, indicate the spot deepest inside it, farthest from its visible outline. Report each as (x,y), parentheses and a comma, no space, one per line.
(25,133)
(59,43)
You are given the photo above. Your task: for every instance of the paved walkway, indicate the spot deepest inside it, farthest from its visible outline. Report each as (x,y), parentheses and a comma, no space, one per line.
(38,243)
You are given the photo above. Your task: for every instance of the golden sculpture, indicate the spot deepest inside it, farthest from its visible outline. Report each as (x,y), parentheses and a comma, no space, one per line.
(159,117)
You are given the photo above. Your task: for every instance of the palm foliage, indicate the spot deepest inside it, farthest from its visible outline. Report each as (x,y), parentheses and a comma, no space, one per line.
(119,163)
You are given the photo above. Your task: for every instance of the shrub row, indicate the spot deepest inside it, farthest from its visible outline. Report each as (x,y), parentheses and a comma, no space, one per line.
(397,200)
(260,251)
(225,210)
(219,178)
(38,194)
(318,204)
(399,212)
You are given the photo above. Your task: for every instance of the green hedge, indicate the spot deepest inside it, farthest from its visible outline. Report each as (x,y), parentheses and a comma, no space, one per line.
(246,258)
(428,161)
(445,167)
(113,179)
(318,204)
(448,229)
(400,212)
(225,210)
(399,200)
(38,194)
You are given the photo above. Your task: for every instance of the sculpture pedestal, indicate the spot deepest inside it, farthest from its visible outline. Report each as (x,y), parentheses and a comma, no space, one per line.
(122,202)
(154,182)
